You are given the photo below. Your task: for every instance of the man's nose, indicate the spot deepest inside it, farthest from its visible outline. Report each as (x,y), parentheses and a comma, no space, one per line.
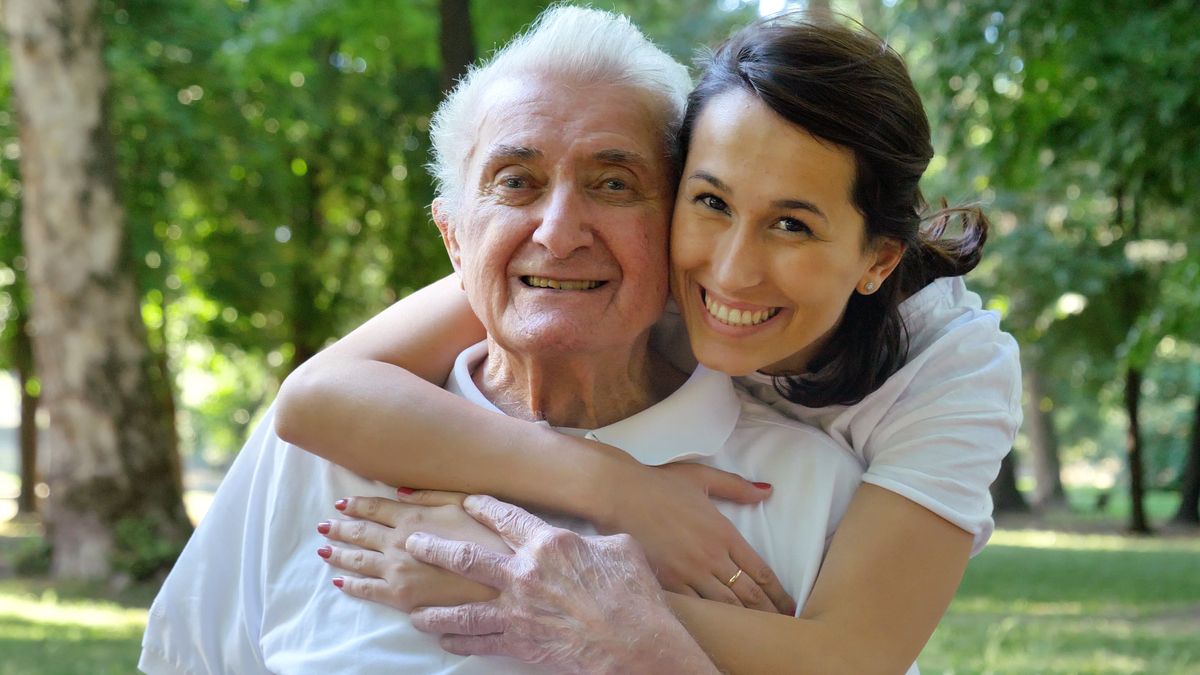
(565,227)
(737,259)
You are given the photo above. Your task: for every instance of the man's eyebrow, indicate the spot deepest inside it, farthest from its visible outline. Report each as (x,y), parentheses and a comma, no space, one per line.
(797,204)
(521,152)
(621,157)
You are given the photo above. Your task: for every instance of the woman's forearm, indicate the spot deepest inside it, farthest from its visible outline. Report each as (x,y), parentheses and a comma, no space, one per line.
(740,640)
(384,423)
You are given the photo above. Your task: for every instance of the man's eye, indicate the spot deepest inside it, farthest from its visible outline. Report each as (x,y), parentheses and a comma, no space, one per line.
(616,184)
(513,182)
(713,202)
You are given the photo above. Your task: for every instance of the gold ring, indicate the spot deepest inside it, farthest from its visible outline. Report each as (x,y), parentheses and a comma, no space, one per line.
(734,578)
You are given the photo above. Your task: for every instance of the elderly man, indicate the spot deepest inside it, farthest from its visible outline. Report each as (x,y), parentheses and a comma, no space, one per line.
(554,210)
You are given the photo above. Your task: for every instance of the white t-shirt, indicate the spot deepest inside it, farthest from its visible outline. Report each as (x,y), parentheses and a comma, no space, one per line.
(250,595)
(936,430)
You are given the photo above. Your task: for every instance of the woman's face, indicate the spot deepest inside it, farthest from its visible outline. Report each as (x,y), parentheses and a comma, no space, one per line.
(766,244)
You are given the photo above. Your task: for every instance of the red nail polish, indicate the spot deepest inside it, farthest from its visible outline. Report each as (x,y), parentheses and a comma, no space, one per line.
(323,527)
(340,505)
(325,552)
(338,581)
(762,486)
(404,491)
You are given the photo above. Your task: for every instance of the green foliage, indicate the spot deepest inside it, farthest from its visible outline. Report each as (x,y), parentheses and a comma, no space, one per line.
(139,551)
(32,557)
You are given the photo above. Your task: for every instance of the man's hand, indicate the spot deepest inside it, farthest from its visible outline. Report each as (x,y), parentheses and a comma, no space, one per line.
(574,604)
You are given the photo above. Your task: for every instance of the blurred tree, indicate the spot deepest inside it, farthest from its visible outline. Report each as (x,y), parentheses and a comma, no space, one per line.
(16,351)
(110,447)
(1037,112)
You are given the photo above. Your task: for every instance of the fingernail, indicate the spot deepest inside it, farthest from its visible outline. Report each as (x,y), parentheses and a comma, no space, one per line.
(404,491)
(323,527)
(762,486)
(340,505)
(338,581)
(325,551)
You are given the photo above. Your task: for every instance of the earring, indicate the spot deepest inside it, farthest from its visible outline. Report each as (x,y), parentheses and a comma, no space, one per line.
(870,287)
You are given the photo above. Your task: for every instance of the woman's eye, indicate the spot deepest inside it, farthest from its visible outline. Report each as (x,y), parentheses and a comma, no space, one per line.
(713,202)
(792,225)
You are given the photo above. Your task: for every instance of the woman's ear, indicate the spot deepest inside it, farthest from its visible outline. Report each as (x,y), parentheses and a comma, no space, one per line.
(884,256)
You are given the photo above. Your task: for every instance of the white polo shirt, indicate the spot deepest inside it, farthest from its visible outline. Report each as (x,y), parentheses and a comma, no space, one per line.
(250,595)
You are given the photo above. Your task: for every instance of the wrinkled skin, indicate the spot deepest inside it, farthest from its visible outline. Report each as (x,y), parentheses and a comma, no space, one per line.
(570,603)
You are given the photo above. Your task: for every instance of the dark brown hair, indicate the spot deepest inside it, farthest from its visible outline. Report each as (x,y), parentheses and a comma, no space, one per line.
(850,88)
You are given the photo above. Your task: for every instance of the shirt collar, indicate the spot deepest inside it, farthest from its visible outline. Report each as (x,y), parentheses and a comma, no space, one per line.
(693,422)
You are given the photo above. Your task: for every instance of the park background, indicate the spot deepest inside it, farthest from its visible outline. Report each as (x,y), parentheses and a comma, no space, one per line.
(268,154)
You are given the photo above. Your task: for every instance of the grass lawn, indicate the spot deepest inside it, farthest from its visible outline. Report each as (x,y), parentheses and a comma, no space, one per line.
(1035,601)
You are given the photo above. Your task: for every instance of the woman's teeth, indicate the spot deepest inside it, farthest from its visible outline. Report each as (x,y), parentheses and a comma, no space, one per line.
(738,317)
(561,285)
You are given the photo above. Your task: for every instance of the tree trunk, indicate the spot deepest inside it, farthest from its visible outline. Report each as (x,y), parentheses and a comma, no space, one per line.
(23,359)
(1006,498)
(108,446)
(1189,481)
(1133,449)
(456,40)
(1043,444)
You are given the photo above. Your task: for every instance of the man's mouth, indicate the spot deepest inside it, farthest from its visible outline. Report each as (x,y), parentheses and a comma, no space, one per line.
(562,284)
(731,316)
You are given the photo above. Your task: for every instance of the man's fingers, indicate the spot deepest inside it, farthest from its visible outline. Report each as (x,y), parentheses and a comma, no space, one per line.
(464,558)
(514,524)
(475,645)
(359,561)
(430,497)
(720,484)
(477,618)
(756,570)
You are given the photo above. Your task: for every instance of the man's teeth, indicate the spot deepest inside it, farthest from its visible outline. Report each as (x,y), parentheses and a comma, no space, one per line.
(561,285)
(738,317)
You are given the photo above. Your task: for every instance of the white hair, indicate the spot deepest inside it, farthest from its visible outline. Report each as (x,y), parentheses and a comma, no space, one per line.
(580,45)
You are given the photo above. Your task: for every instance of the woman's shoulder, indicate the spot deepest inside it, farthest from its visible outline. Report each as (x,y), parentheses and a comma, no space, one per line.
(958,354)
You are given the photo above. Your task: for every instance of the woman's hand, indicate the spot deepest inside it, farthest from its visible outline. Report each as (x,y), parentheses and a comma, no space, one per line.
(692,547)
(389,575)
(570,603)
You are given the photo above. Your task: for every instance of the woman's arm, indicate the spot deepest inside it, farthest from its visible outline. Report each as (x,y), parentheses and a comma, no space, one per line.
(890,574)
(354,405)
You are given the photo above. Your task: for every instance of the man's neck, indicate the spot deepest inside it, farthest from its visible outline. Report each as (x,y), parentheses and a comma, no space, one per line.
(583,391)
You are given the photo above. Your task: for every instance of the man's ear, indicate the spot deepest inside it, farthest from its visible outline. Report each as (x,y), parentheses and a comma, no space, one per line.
(445,224)
(885,255)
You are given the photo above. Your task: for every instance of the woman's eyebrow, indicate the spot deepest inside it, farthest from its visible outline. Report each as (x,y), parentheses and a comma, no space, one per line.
(791,204)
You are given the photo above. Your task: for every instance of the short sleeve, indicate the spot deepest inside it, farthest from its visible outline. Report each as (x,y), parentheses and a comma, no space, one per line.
(954,412)
(207,615)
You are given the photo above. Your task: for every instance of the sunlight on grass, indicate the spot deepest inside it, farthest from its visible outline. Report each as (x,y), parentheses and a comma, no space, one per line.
(49,611)
(1089,542)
